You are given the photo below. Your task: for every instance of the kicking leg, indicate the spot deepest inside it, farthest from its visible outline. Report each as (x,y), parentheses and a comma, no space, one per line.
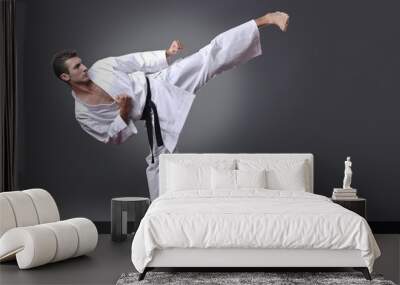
(227,50)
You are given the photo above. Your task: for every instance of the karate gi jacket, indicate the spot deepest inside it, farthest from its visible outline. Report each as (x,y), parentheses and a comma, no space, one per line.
(126,75)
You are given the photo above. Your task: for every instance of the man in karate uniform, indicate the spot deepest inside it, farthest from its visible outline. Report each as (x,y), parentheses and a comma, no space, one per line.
(116,92)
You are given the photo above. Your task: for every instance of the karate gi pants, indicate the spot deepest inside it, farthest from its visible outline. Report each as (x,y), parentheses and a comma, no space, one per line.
(227,50)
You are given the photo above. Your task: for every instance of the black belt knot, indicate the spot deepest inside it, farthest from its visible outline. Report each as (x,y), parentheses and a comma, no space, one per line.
(146,116)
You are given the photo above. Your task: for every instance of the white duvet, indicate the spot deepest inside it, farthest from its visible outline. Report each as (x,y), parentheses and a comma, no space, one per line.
(250,218)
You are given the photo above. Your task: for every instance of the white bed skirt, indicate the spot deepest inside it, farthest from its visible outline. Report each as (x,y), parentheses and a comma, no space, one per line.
(193,257)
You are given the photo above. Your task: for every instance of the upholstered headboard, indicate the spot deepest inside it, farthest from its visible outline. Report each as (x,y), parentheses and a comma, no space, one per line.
(210,157)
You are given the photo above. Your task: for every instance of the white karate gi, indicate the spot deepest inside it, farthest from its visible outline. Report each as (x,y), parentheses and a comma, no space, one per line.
(173,89)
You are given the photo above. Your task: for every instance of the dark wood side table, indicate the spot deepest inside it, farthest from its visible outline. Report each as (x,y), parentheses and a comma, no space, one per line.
(358,205)
(124,209)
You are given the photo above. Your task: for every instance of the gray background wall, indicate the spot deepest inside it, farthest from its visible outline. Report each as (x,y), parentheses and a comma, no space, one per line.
(329,86)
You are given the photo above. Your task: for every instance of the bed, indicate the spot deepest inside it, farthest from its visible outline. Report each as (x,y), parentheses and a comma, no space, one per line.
(247,210)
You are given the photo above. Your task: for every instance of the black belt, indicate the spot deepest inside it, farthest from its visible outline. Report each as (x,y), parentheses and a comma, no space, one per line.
(146,116)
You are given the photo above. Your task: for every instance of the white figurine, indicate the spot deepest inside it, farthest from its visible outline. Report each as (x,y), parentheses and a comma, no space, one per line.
(348,173)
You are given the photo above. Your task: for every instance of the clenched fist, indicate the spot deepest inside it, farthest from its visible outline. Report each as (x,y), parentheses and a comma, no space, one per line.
(175,47)
(125,106)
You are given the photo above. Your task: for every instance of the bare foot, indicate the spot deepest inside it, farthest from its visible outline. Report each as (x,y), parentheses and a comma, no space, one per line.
(276,18)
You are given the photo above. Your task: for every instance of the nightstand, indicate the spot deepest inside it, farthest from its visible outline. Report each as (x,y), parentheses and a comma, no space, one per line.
(358,205)
(124,209)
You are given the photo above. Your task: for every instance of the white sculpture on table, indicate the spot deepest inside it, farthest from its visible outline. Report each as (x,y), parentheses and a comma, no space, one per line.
(348,173)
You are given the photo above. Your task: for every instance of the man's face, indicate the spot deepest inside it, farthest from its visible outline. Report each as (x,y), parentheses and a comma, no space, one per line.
(77,71)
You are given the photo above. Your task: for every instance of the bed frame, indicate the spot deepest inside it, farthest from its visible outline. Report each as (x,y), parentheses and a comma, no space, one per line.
(246,258)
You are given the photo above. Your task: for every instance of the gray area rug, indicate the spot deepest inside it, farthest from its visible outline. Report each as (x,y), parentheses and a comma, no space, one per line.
(230,278)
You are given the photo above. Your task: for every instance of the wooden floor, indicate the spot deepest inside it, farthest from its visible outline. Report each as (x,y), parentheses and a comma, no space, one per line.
(111,259)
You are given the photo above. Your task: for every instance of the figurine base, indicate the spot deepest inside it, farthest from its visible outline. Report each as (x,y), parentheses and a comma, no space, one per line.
(344,189)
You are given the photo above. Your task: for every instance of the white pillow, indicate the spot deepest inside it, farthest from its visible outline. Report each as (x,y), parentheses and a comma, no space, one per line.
(251,178)
(223,179)
(189,174)
(282,174)
(183,178)
(236,179)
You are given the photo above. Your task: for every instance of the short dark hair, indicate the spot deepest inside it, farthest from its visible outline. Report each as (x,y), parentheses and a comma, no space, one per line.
(59,59)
